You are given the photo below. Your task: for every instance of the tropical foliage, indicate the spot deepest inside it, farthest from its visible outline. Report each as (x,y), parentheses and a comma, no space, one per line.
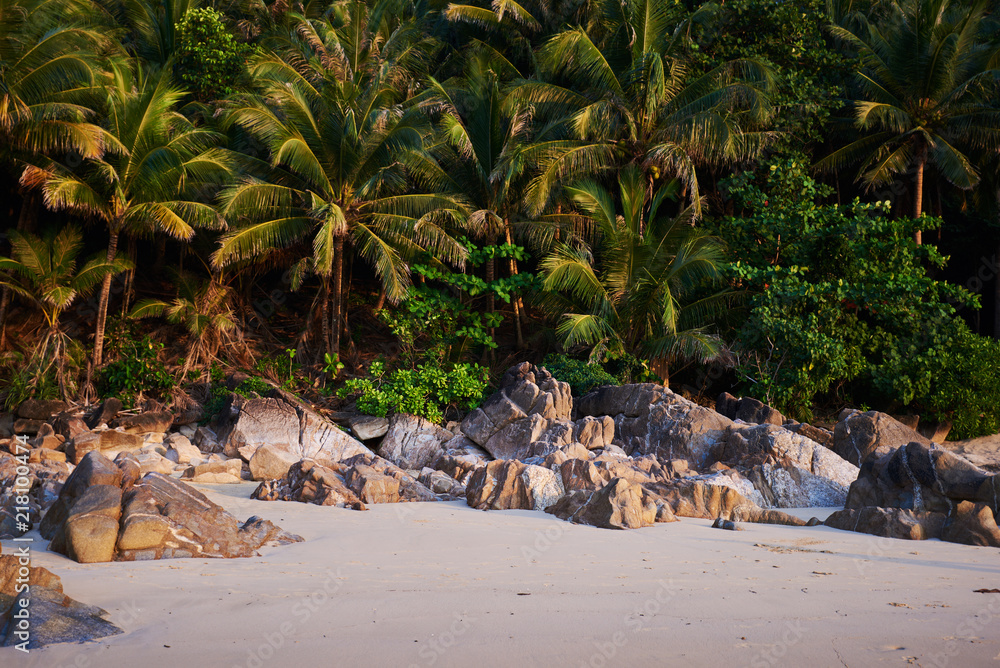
(395,201)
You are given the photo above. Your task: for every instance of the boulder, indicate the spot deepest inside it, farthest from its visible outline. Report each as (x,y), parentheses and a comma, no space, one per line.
(285,424)
(310,482)
(181,450)
(514,439)
(368,427)
(695,498)
(68,426)
(413,442)
(972,524)
(727,405)
(859,436)
(372,486)
(594,433)
(90,532)
(271,462)
(525,390)
(582,475)
(442,484)
(157,422)
(410,489)
(793,487)
(216,473)
(26,426)
(510,484)
(164,518)
(753,411)
(105,413)
(94,469)
(148,462)
(41,409)
(55,617)
(918,477)
(617,505)
(889,522)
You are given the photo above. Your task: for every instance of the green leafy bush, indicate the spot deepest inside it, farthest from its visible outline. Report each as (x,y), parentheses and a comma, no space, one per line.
(581,375)
(138,370)
(436,321)
(210,61)
(840,299)
(248,388)
(424,391)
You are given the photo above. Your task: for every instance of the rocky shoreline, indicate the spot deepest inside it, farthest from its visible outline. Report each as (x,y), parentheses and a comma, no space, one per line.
(111,486)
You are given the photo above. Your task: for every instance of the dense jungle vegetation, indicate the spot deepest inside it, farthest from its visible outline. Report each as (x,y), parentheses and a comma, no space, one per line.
(391,201)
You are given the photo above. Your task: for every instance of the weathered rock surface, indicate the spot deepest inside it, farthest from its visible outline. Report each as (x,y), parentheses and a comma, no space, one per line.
(164,518)
(54,617)
(413,442)
(788,469)
(617,505)
(889,522)
(917,477)
(41,409)
(310,482)
(510,484)
(526,392)
(153,422)
(650,419)
(106,512)
(861,435)
(216,473)
(285,425)
(368,427)
(697,499)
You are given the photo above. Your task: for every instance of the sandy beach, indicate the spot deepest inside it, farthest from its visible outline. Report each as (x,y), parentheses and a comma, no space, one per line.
(441,584)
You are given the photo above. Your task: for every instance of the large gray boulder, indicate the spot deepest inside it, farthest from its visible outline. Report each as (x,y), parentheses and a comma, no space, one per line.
(412,442)
(291,430)
(529,396)
(862,435)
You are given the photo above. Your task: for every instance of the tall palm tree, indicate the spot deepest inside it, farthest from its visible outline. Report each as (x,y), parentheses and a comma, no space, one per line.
(485,132)
(143,184)
(628,96)
(928,94)
(47,66)
(649,284)
(44,272)
(343,153)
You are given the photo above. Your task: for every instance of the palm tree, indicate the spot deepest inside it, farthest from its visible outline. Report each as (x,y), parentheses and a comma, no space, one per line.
(143,184)
(44,272)
(628,97)
(343,153)
(485,133)
(46,68)
(653,294)
(927,95)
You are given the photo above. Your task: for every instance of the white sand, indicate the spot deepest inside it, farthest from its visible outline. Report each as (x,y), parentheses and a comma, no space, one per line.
(441,584)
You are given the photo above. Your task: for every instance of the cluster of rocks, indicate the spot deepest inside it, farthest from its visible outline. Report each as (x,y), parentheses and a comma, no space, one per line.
(52,617)
(108,511)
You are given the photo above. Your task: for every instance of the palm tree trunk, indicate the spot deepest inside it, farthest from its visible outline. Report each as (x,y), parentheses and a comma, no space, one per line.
(490,298)
(918,194)
(102,307)
(337,297)
(518,304)
(324,311)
